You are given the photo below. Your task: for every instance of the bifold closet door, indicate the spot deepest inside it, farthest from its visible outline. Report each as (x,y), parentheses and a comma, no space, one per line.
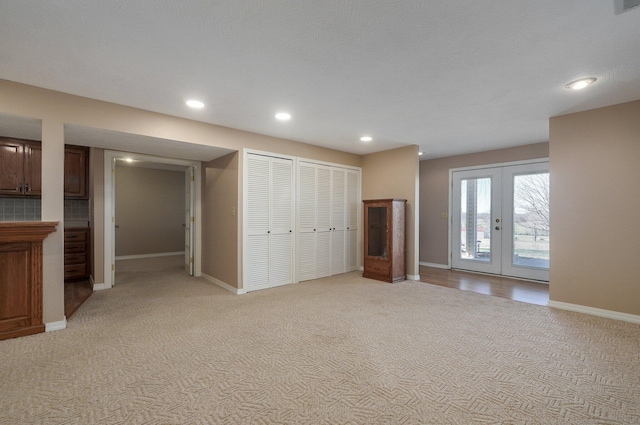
(269,222)
(352,215)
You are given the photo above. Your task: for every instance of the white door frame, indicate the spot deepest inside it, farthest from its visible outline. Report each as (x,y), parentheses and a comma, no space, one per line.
(477,168)
(110,158)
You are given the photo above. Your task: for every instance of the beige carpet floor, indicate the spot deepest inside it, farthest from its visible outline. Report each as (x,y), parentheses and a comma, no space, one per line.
(164,348)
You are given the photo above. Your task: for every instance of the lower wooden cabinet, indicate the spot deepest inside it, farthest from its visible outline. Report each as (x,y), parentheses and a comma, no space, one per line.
(21,277)
(76,253)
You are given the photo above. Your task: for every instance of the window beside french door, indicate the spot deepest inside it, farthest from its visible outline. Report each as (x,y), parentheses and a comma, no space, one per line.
(500,220)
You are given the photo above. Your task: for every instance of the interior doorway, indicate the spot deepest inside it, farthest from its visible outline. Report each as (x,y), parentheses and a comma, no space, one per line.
(500,220)
(190,248)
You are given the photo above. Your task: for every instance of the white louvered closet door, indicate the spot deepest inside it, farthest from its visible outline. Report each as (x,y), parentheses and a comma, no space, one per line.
(352,208)
(258,219)
(281,229)
(307,205)
(270,211)
(323,223)
(338,220)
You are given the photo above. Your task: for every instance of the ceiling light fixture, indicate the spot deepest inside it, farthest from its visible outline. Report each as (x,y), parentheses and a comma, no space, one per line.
(195,104)
(581,83)
(128,159)
(366,138)
(420,153)
(283,116)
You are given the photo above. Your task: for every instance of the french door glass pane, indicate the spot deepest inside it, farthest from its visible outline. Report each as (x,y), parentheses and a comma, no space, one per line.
(531,220)
(475,216)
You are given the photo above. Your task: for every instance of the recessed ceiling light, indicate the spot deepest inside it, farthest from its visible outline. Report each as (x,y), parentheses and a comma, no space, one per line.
(366,138)
(283,116)
(581,83)
(196,104)
(128,159)
(420,153)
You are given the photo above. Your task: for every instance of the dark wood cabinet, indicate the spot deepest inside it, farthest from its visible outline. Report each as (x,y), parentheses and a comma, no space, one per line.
(76,172)
(384,239)
(21,277)
(76,253)
(20,167)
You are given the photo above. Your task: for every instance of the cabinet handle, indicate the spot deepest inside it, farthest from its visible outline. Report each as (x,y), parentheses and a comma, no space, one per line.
(26,188)
(20,188)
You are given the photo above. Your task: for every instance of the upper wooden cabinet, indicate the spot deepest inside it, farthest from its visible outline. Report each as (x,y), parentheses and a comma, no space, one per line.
(20,167)
(76,172)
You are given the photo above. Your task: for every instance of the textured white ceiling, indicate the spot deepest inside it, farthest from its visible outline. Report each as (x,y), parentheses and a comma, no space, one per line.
(450,76)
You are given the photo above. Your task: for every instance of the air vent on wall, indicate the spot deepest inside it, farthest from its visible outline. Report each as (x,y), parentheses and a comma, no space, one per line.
(622,6)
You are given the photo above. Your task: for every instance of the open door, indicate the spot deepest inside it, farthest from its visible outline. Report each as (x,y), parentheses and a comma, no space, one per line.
(189,201)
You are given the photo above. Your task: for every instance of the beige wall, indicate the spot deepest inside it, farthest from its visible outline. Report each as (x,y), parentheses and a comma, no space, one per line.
(56,109)
(150,210)
(434,193)
(96,193)
(394,174)
(220,201)
(595,200)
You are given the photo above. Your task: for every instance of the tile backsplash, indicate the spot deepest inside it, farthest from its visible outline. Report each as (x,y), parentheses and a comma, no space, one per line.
(76,209)
(30,209)
(20,209)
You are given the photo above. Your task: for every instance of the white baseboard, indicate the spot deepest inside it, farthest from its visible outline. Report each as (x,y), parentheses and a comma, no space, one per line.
(434,265)
(56,326)
(99,286)
(223,285)
(361,268)
(413,277)
(157,254)
(609,314)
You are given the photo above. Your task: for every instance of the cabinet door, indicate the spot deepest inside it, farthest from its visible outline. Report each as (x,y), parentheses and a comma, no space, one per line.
(33,169)
(75,172)
(11,167)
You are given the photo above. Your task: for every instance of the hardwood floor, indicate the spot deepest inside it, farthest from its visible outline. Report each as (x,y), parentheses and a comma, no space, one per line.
(75,293)
(497,286)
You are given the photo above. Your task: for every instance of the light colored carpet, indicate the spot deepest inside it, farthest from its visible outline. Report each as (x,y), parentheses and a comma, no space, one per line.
(163,348)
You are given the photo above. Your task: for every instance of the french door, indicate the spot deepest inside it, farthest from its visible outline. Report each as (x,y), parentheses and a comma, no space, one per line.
(500,220)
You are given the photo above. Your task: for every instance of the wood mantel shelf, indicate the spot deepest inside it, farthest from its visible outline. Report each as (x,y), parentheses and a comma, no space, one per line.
(21,276)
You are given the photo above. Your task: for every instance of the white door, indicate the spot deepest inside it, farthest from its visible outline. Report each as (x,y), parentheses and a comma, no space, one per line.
(338,220)
(500,220)
(307,208)
(323,223)
(352,216)
(189,202)
(269,256)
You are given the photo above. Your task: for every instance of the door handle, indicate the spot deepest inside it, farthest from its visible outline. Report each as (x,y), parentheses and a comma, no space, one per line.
(497,227)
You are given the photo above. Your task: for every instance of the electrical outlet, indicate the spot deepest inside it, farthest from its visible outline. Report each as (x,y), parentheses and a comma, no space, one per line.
(233,211)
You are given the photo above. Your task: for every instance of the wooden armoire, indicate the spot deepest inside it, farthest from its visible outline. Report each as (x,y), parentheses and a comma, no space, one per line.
(384,239)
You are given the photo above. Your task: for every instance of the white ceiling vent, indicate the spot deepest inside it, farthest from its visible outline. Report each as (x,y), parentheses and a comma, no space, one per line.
(625,5)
